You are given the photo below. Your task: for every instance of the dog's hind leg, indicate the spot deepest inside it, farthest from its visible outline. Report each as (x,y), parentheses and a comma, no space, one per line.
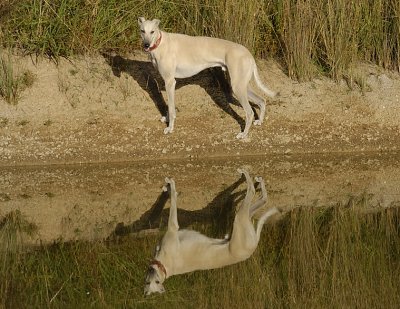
(244,102)
(240,79)
(255,98)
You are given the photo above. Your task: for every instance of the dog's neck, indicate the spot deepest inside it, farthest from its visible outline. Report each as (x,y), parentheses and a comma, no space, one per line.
(156,44)
(160,266)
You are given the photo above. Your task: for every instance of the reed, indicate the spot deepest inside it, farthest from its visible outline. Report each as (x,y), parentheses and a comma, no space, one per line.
(297,25)
(309,36)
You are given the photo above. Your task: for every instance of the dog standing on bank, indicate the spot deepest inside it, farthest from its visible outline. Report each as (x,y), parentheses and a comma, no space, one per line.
(180,56)
(183,251)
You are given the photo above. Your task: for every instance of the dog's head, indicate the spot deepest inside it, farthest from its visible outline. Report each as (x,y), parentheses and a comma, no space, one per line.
(149,32)
(154,280)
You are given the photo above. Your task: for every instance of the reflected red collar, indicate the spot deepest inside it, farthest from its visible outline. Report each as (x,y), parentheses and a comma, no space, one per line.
(160,266)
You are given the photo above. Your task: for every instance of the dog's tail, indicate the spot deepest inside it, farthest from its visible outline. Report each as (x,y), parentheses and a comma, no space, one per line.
(264,88)
(264,218)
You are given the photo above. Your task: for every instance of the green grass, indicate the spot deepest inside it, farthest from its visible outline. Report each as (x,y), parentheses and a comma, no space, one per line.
(335,257)
(12,83)
(308,36)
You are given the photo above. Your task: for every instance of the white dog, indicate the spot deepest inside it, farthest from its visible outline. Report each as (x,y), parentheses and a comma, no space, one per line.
(180,56)
(183,251)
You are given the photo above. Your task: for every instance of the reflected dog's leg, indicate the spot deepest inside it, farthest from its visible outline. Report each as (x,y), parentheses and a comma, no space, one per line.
(260,203)
(251,191)
(247,211)
(173,212)
(243,239)
(159,270)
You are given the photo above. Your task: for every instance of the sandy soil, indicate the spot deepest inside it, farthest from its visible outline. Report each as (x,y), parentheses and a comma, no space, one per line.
(107,109)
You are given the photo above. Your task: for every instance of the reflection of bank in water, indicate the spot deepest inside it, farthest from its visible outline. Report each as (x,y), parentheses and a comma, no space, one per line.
(326,257)
(90,202)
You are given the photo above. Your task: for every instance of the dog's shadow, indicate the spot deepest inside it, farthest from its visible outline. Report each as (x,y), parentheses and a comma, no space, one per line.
(220,212)
(212,80)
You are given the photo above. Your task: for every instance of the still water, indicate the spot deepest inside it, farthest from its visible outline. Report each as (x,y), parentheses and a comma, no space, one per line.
(87,231)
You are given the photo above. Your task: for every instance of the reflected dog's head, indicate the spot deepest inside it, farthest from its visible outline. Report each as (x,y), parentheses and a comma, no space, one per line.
(154,279)
(150,33)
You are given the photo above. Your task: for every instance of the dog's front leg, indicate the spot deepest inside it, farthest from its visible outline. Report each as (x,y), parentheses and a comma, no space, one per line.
(170,87)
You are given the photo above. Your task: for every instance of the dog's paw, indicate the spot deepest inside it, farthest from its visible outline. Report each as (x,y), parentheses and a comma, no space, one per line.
(258,179)
(241,135)
(244,171)
(163,119)
(257,122)
(169,181)
(168,130)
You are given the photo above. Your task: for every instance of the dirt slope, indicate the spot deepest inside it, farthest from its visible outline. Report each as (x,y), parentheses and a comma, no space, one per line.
(107,108)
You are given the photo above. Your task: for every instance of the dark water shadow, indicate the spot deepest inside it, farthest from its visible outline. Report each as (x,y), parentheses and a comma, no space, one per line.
(220,212)
(212,80)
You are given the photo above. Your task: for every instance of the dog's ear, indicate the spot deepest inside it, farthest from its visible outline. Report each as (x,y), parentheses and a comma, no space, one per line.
(141,20)
(156,22)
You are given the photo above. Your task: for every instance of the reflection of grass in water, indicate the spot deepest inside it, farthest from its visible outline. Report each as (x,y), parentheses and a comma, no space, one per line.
(340,258)
(313,258)
(12,228)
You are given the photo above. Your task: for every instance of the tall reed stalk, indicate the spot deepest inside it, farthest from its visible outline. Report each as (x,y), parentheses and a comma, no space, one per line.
(297,27)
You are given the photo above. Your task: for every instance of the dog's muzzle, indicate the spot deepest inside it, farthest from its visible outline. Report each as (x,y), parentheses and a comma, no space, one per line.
(146,46)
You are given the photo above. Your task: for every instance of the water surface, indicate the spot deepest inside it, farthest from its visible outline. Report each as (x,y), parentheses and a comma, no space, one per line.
(88,202)
(83,235)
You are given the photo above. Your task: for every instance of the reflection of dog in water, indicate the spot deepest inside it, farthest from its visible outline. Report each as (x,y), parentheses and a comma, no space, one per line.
(183,251)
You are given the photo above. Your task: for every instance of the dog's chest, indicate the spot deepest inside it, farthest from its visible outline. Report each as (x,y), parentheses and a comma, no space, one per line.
(153,61)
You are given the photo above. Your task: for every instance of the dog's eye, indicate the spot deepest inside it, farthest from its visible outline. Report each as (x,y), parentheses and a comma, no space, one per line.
(142,31)
(151,32)
(158,282)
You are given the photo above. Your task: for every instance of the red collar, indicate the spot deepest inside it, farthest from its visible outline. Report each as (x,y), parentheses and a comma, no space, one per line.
(156,43)
(160,266)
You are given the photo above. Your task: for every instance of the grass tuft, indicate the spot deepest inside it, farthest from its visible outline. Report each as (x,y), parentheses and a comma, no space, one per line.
(11,83)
